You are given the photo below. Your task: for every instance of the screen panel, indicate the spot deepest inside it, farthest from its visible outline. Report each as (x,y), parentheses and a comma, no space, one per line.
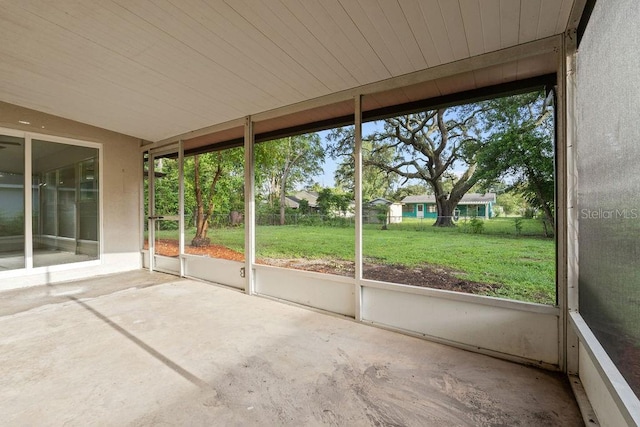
(608,149)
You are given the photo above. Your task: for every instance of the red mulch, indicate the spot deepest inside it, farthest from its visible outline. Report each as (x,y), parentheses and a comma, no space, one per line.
(169,247)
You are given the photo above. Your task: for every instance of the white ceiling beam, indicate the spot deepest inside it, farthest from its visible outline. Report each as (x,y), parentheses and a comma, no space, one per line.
(539,47)
(576,14)
(199,132)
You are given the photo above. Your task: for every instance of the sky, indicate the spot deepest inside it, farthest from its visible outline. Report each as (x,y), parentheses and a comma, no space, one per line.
(326,178)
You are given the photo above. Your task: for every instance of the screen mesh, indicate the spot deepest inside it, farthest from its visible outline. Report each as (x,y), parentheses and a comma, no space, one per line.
(608,156)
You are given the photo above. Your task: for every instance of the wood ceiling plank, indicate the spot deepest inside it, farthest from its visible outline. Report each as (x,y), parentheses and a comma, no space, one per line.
(563,16)
(424,90)
(418,25)
(389,38)
(509,72)
(403,32)
(332,37)
(437,28)
(370,102)
(452,16)
(108,54)
(60,56)
(488,76)
(491,25)
(228,24)
(358,14)
(182,63)
(529,20)
(340,16)
(535,66)
(184,25)
(284,29)
(420,29)
(454,84)
(384,99)
(509,23)
(473,26)
(549,16)
(126,119)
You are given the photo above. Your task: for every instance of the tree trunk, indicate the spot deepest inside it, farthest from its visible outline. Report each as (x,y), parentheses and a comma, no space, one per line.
(203,210)
(447,204)
(283,195)
(201,220)
(549,218)
(446,208)
(549,221)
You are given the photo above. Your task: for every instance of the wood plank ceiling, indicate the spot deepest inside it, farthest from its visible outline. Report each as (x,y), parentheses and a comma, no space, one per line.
(155,69)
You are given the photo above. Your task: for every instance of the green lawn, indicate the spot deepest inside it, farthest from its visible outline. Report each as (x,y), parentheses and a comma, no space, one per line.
(523,264)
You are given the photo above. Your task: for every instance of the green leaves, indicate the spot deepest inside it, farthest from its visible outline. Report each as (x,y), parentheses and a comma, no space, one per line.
(520,147)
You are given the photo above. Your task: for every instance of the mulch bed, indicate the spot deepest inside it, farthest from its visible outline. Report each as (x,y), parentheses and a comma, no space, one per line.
(168,247)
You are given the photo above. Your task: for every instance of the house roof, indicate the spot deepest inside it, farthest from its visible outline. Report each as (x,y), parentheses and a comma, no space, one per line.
(467,199)
(379,201)
(309,196)
(191,69)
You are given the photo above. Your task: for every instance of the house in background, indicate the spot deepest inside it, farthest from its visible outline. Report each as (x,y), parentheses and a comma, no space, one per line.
(371,209)
(471,205)
(311,197)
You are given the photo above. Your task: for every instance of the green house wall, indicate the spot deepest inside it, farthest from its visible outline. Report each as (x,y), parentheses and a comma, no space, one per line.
(463,210)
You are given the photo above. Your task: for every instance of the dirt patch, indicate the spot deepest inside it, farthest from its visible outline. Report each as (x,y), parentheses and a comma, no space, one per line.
(423,276)
(426,276)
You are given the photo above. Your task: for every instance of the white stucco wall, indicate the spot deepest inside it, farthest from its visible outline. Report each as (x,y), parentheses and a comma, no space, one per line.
(121,175)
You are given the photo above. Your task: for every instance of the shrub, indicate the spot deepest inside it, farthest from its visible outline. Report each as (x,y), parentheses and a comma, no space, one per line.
(476,225)
(518,224)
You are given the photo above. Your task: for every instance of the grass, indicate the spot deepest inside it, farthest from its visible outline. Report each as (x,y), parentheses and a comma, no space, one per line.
(523,264)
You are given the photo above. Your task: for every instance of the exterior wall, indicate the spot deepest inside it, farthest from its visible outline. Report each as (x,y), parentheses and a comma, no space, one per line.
(409,211)
(395,213)
(476,210)
(464,210)
(425,211)
(121,181)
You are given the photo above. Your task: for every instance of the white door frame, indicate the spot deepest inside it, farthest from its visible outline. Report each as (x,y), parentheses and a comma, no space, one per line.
(160,262)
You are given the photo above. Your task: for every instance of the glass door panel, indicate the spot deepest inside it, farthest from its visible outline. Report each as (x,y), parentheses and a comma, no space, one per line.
(11,203)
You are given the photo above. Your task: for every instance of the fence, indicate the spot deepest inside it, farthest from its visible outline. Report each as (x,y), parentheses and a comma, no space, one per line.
(236,219)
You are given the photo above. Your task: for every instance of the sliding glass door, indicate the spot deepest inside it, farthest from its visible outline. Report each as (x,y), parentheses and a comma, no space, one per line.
(65,203)
(49,201)
(12,232)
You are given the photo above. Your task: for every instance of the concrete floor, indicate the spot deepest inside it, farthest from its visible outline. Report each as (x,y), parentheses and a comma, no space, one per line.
(152,349)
